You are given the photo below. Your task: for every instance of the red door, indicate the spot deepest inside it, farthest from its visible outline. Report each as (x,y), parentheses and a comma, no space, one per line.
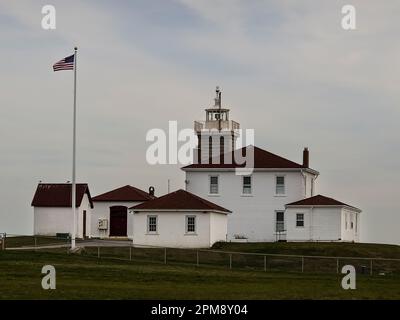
(118,221)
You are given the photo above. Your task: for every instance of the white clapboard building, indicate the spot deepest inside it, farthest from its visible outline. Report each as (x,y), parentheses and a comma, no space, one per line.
(110,215)
(275,200)
(266,201)
(52,212)
(179,219)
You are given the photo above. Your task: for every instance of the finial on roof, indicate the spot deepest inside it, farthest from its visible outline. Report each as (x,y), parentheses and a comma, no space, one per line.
(218,97)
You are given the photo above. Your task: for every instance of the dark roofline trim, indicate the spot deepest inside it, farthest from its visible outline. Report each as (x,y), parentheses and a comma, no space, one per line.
(203,205)
(179,210)
(320,201)
(140,196)
(244,169)
(86,191)
(119,200)
(263,159)
(322,206)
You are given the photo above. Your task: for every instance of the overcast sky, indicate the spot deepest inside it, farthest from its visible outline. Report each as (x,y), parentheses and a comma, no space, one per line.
(287,69)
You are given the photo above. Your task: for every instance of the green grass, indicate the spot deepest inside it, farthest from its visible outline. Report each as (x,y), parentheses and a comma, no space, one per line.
(85,277)
(30,241)
(333,249)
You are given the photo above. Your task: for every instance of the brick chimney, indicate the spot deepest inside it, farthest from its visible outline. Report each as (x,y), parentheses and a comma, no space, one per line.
(306,158)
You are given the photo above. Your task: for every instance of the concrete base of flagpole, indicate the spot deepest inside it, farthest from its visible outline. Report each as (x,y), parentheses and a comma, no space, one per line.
(76,250)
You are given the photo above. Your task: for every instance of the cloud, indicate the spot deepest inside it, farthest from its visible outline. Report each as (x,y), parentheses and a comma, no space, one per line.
(286,68)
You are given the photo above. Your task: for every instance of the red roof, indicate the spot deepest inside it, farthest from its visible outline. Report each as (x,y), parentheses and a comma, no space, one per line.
(59,195)
(126,193)
(262,159)
(179,200)
(320,200)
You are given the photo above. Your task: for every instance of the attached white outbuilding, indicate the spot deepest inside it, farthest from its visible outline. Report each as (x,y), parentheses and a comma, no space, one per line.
(110,215)
(53,212)
(179,219)
(320,218)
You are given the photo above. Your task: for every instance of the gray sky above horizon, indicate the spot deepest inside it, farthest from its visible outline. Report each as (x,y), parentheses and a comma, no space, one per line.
(287,69)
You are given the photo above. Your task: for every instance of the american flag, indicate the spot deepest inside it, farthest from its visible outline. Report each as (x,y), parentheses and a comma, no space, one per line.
(64,64)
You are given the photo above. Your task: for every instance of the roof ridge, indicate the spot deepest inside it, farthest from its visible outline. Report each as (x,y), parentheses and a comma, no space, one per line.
(62,183)
(206,202)
(59,195)
(334,202)
(173,197)
(276,155)
(124,193)
(262,159)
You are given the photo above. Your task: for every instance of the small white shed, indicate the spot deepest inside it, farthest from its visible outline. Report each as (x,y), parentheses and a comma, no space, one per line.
(179,219)
(53,212)
(320,218)
(110,215)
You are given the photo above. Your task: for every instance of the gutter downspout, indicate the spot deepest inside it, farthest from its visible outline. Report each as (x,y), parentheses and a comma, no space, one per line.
(311,222)
(305,183)
(313,185)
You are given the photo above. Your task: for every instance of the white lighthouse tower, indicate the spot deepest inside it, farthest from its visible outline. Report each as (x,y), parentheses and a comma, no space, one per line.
(217,134)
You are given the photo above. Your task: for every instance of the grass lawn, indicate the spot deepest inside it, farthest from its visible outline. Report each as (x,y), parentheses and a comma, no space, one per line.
(30,241)
(83,277)
(333,249)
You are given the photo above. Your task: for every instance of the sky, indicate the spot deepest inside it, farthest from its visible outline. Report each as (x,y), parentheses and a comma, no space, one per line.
(287,69)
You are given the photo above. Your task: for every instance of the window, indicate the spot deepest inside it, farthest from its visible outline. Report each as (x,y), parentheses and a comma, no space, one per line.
(190,224)
(280,221)
(280,185)
(299,219)
(152,224)
(214,185)
(247,185)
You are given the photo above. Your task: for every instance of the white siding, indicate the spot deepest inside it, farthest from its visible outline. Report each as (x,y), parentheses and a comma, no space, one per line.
(348,233)
(85,205)
(51,220)
(253,215)
(218,227)
(171,230)
(320,224)
(102,211)
(310,184)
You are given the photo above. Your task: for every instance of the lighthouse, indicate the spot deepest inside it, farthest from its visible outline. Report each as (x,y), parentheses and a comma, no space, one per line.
(216,135)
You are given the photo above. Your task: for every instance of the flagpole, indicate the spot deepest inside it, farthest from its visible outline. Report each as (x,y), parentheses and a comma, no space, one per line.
(73,204)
